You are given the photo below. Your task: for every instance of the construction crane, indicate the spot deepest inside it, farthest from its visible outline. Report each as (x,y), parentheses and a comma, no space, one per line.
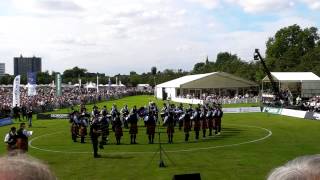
(257,56)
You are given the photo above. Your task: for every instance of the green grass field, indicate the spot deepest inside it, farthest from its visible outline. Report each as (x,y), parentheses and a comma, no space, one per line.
(245,149)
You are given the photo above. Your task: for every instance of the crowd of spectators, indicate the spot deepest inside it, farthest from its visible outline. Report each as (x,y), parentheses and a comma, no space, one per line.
(46,99)
(284,98)
(313,104)
(246,98)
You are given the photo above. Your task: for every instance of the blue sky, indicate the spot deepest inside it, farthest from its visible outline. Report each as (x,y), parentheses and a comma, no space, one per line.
(118,36)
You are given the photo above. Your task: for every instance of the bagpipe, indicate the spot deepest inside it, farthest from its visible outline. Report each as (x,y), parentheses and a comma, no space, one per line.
(194,115)
(202,114)
(132,118)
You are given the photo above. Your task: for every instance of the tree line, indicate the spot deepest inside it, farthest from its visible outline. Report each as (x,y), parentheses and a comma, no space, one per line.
(291,49)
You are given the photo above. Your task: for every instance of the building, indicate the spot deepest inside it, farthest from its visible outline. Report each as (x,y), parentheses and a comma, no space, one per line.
(23,65)
(2,69)
(195,86)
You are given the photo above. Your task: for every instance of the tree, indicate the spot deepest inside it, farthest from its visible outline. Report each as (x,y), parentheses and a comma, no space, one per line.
(45,77)
(153,70)
(285,49)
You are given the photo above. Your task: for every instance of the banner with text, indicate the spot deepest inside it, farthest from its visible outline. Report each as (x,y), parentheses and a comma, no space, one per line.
(52,116)
(272,110)
(16,91)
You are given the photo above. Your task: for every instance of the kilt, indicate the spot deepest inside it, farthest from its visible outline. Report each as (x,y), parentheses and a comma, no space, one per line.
(204,124)
(105,132)
(197,126)
(170,129)
(151,129)
(133,129)
(83,131)
(187,127)
(22,144)
(210,123)
(215,120)
(118,131)
(74,129)
(11,147)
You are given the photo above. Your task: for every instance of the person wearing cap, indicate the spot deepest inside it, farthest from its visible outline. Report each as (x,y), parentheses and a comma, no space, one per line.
(83,125)
(219,114)
(22,138)
(151,126)
(95,133)
(196,122)
(187,123)
(210,119)
(11,139)
(204,122)
(118,128)
(170,124)
(133,121)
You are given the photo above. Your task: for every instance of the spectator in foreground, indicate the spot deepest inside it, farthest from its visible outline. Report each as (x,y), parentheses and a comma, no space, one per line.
(301,168)
(24,167)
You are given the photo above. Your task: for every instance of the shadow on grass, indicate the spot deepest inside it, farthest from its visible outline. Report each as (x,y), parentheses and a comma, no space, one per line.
(38,127)
(104,156)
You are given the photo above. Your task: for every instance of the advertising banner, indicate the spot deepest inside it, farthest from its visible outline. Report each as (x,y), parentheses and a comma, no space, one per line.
(52,116)
(272,110)
(5,121)
(312,116)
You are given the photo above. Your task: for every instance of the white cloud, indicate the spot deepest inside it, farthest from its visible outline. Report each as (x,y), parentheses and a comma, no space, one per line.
(117,36)
(256,6)
(313,4)
(210,4)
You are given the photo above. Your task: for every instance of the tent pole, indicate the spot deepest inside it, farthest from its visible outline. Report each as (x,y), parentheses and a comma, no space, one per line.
(279,86)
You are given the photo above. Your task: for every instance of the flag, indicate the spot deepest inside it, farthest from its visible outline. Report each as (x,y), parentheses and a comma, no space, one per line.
(16,91)
(97,83)
(109,83)
(58,84)
(32,84)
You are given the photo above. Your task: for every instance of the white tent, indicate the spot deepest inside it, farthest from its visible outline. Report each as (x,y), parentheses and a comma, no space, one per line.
(197,83)
(91,85)
(306,84)
(292,77)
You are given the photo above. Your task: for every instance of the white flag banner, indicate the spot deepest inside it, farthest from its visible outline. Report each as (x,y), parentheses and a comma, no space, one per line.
(32,90)
(32,84)
(16,91)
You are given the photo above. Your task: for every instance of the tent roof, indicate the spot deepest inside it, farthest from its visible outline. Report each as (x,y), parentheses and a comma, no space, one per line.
(139,85)
(293,76)
(208,80)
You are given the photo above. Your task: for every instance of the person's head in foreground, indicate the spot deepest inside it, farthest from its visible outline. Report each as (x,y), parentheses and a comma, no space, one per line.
(301,168)
(24,167)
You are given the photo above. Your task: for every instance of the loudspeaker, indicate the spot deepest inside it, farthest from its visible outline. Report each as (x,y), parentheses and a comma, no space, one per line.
(194,176)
